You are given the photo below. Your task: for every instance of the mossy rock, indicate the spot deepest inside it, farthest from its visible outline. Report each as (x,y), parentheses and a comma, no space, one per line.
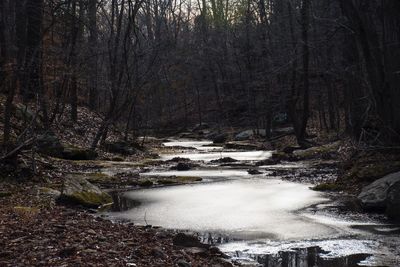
(325,151)
(327,187)
(77,190)
(23,112)
(77,153)
(49,192)
(167,181)
(179,180)
(98,177)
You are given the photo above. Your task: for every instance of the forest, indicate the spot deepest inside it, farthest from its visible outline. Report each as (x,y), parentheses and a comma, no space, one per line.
(106,103)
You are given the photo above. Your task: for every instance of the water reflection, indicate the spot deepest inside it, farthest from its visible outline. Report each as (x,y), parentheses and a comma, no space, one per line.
(309,257)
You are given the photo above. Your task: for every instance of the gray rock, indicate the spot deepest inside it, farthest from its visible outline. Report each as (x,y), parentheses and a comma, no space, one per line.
(375,195)
(393,202)
(49,192)
(77,190)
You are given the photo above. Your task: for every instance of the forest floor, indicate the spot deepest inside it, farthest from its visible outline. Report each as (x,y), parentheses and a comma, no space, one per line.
(35,230)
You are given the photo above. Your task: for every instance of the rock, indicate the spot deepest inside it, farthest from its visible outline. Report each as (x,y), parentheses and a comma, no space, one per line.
(393,202)
(224,160)
(375,195)
(185,240)
(253,172)
(220,138)
(77,190)
(182,263)
(49,192)
(120,147)
(77,153)
(178,159)
(326,152)
(50,145)
(182,166)
(23,112)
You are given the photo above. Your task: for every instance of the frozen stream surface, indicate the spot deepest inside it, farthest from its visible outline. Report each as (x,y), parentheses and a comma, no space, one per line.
(261,218)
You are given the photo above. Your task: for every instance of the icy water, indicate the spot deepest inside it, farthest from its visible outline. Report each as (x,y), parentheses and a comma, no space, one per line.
(259,219)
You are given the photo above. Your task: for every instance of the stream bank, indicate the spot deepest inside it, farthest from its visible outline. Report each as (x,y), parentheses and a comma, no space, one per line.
(42,224)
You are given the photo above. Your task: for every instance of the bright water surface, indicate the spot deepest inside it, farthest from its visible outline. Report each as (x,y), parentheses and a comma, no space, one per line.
(265,215)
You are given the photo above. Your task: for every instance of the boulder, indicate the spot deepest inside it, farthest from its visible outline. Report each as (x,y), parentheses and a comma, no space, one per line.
(77,190)
(393,202)
(327,151)
(182,166)
(375,195)
(50,145)
(23,112)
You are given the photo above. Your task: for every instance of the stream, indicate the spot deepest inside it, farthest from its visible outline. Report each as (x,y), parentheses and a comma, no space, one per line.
(262,219)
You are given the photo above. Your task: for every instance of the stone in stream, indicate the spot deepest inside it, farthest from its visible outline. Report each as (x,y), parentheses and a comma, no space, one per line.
(253,172)
(185,240)
(224,160)
(375,196)
(77,190)
(183,166)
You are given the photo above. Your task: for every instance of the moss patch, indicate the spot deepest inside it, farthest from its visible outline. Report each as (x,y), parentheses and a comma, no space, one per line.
(325,151)
(91,199)
(26,211)
(98,177)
